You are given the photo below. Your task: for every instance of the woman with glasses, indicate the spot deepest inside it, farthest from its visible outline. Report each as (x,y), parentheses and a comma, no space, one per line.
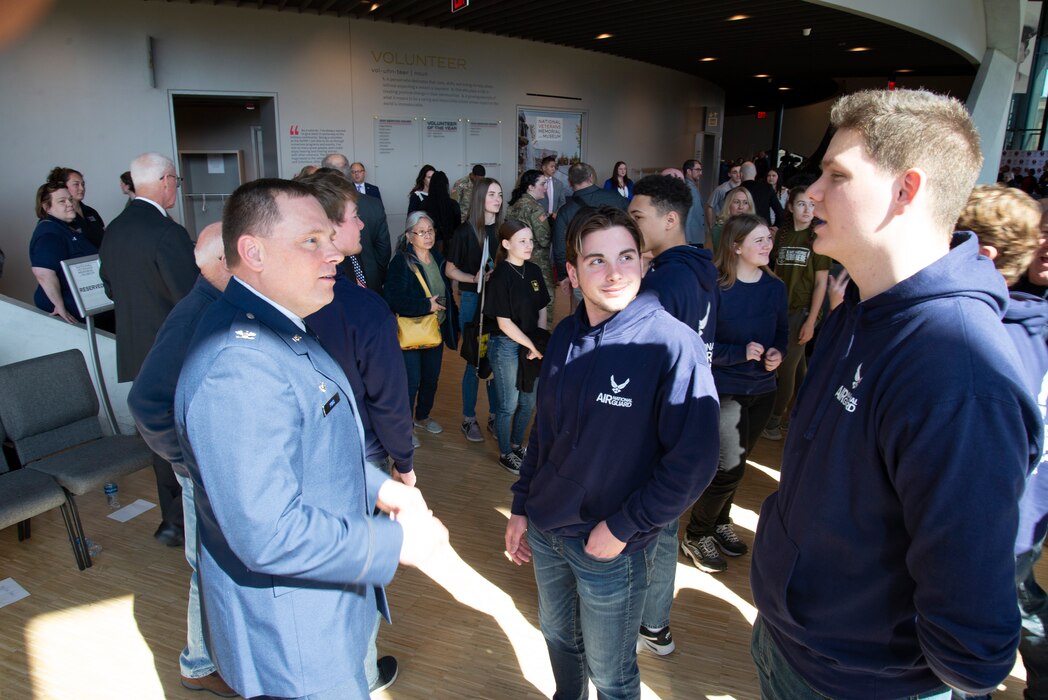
(415,263)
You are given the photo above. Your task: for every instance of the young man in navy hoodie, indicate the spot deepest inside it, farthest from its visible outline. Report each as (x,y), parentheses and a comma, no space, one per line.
(883,567)
(1008,224)
(612,460)
(686,281)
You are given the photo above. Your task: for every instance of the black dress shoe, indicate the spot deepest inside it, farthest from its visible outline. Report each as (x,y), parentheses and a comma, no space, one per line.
(387,673)
(170,535)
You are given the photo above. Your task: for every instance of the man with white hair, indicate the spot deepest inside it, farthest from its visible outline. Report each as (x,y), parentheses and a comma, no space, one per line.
(147,267)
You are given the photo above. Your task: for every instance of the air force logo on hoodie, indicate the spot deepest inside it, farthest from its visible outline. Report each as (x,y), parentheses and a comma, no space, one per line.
(845,396)
(614,399)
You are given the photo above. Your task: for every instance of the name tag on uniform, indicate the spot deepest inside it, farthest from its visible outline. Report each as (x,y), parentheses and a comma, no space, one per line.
(332,402)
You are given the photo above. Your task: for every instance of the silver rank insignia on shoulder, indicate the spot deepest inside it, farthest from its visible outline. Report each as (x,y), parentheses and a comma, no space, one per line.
(297,338)
(246,335)
(323,387)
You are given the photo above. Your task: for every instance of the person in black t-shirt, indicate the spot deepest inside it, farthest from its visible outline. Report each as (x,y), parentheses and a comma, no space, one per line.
(514,310)
(465,259)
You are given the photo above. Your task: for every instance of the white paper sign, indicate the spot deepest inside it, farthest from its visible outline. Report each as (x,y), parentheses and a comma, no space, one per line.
(11,592)
(216,165)
(86,285)
(131,511)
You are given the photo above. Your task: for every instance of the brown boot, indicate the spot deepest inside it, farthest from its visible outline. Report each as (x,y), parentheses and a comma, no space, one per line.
(212,683)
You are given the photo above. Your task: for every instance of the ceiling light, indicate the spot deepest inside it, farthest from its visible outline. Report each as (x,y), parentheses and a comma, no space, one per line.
(784,88)
(904,70)
(858,49)
(736,18)
(707,59)
(762,75)
(604,36)
(374,6)
(751,106)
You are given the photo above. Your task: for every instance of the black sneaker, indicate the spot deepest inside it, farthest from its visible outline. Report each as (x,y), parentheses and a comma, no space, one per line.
(728,541)
(387,673)
(520,451)
(660,642)
(703,553)
(511,463)
(491,424)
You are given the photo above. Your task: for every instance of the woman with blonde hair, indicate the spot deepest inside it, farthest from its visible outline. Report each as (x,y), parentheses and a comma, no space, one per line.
(738,201)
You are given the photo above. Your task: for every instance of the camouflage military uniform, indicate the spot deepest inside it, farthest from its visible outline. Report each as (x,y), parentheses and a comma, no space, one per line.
(528,211)
(462,192)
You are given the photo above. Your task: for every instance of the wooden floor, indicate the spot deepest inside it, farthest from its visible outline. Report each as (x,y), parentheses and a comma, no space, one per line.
(115,630)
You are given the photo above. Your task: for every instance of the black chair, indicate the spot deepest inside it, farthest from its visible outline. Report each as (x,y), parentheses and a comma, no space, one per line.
(49,409)
(25,493)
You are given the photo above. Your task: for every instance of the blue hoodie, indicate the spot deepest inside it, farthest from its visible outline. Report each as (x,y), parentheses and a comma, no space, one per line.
(1026,322)
(685,279)
(883,565)
(617,405)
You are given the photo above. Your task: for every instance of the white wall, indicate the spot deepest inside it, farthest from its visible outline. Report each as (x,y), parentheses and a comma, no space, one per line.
(76,92)
(28,332)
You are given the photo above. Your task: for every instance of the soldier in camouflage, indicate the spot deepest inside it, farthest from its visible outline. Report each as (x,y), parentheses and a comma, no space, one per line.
(462,190)
(525,207)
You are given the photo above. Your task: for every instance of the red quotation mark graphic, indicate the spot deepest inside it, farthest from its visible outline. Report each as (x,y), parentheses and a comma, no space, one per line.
(294,130)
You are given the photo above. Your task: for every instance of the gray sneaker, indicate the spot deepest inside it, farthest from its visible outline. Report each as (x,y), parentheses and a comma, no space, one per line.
(471,430)
(704,554)
(430,425)
(415,442)
(772,434)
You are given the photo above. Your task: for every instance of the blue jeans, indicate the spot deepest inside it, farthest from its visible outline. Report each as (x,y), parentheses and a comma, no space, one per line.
(778,679)
(423,368)
(470,381)
(589,611)
(514,407)
(194,661)
(661,579)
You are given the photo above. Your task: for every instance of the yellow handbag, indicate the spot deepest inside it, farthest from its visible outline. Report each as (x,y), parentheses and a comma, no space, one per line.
(419,332)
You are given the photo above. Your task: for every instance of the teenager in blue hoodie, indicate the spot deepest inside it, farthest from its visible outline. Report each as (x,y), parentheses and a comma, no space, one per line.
(1007,222)
(883,567)
(686,281)
(612,458)
(751,341)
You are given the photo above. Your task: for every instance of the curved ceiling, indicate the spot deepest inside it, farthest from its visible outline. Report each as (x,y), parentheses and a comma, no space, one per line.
(729,42)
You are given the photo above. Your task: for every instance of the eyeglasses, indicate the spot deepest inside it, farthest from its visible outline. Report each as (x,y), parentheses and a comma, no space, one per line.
(178,180)
(425,234)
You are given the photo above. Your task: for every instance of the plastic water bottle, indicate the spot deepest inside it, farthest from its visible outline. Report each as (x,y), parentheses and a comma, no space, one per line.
(93,548)
(111,495)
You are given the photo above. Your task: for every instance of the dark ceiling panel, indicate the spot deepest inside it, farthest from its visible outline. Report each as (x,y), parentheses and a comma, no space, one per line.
(676,34)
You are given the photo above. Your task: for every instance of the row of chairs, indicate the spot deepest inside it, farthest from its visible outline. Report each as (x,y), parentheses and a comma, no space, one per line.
(55,446)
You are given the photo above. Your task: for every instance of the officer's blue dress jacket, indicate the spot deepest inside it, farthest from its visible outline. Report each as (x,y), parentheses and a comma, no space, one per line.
(290,557)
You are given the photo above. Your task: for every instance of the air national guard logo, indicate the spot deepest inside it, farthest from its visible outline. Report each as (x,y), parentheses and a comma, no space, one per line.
(246,335)
(535,286)
(614,399)
(845,396)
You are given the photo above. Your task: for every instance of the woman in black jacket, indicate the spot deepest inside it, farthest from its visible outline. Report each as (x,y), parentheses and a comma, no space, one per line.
(406,296)
(442,210)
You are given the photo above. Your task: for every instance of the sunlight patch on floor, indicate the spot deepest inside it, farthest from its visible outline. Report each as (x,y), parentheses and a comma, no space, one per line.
(773,473)
(62,646)
(690,577)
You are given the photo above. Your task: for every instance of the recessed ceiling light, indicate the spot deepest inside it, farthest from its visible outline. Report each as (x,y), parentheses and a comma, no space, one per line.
(751,106)
(858,49)
(784,88)
(736,18)
(374,6)
(707,59)
(904,70)
(604,36)
(762,75)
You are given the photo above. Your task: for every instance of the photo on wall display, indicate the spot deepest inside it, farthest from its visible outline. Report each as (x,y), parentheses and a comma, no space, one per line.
(544,132)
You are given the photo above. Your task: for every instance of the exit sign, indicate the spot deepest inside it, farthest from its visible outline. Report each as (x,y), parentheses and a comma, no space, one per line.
(457,5)
(762,115)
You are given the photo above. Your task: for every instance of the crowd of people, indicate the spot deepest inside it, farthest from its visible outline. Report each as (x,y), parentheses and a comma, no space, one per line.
(887,564)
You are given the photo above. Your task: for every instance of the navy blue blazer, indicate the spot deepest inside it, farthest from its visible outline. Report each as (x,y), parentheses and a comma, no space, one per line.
(372,191)
(291,557)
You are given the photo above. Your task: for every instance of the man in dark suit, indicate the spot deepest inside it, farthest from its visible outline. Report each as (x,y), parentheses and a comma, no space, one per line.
(292,558)
(147,266)
(358,174)
(557,190)
(764,199)
(376,249)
